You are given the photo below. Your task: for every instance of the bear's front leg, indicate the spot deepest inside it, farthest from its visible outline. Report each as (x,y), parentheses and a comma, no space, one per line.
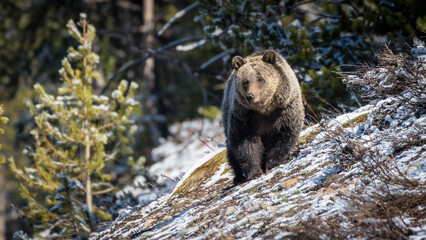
(245,158)
(277,148)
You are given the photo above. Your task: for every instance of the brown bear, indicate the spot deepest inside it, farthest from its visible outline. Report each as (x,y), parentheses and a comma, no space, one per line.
(263,113)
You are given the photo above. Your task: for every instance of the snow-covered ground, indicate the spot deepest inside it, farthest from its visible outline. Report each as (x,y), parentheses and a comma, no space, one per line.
(361,175)
(180,152)
(309,187)
(188,142)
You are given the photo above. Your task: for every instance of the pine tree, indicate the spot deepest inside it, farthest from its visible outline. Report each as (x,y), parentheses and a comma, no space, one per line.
(79,136)
(3,120)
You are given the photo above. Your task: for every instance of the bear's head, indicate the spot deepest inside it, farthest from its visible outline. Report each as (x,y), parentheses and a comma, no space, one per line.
(256,79)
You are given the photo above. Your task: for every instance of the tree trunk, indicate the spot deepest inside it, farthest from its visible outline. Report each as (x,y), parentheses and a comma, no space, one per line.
(89,201)
(148,29)
(148,75)
(87,160)
(88,177)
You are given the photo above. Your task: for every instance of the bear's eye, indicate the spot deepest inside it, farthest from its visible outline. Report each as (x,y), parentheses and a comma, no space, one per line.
(246,83)
(260,79)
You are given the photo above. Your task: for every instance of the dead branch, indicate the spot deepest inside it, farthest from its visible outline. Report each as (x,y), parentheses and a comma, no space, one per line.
(148,54)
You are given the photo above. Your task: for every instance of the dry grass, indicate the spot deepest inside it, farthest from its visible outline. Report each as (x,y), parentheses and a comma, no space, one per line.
(402,72)
(391,209)
(378,214)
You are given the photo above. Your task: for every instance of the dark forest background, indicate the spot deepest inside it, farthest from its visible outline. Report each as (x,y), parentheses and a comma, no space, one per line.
(179,53)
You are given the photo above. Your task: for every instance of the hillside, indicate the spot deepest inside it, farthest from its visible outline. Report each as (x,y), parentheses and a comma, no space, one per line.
(359,175)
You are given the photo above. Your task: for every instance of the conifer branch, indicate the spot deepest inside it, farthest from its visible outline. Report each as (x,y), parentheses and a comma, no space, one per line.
(19,173)
(68,199)
(67,80)
(51,147)
(28,195)
(107,190)
(42,173)
(108,125)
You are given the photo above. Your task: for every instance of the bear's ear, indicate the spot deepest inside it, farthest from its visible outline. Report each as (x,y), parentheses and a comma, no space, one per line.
(269,56)
(237,62)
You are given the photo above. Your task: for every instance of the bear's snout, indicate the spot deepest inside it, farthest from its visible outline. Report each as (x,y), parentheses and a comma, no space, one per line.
(250,97)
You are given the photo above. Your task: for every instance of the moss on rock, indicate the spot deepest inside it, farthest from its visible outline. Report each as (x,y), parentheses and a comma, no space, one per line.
(201,174)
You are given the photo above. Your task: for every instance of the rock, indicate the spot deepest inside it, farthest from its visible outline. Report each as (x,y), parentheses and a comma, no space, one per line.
(229,210)
(148,223)
(342,191)
(255,204)
(290,182)
(413,167)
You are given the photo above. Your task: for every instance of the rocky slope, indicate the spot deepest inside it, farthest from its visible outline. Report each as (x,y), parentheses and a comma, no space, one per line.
(360,175)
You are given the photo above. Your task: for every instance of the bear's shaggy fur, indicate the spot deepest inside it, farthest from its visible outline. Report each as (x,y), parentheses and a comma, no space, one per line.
(263,113)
